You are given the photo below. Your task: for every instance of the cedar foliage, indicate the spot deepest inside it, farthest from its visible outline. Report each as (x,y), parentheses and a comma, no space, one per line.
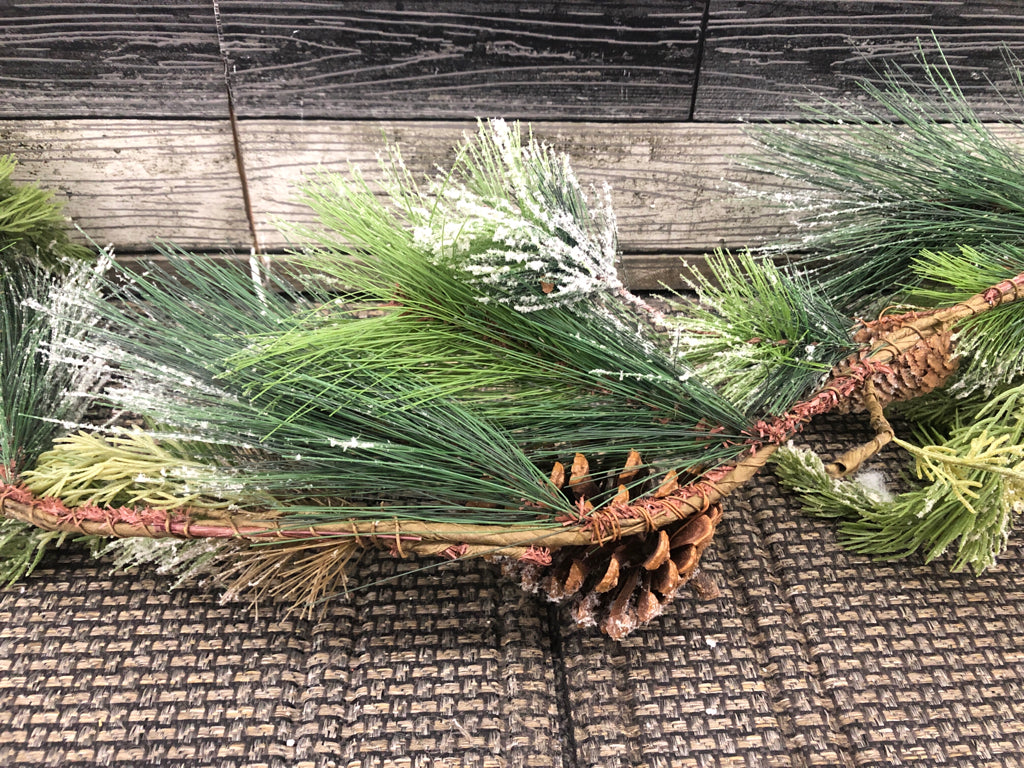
(975,484)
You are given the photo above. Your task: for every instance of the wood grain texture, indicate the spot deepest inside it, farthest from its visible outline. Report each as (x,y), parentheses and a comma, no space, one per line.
(463,59)
(676,189)
(110,57)
(132,182)
(673,186)
(761,57)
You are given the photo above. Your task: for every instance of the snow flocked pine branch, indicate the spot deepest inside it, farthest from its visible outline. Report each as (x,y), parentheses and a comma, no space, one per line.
(45,283)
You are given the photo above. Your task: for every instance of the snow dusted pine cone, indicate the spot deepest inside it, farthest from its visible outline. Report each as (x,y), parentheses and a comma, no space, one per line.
(924,367)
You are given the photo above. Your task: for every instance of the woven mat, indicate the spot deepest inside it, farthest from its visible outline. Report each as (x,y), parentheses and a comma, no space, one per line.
(811,657)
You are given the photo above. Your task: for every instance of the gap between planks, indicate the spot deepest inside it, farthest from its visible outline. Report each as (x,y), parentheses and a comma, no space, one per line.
(639,271)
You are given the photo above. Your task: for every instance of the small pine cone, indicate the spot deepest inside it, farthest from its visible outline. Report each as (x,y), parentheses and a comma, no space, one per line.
(924,367)
(626,583)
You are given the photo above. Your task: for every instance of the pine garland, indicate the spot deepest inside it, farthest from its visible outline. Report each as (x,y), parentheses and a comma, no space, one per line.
(454,368)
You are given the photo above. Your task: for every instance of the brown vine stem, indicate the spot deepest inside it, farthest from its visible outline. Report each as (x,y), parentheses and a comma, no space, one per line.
(412,536)
(853,458)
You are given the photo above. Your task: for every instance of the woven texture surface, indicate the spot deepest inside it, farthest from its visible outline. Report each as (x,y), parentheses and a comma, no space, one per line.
(811,657)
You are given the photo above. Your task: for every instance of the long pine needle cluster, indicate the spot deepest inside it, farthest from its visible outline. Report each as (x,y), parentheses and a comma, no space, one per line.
(45,287)
(761,334)
(916,169)
(482,338)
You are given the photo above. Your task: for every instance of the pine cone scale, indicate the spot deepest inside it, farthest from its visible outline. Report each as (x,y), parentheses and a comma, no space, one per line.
(924,367)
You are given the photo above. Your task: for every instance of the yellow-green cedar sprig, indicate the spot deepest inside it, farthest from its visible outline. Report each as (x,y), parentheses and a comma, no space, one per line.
(973,486)
(125,469)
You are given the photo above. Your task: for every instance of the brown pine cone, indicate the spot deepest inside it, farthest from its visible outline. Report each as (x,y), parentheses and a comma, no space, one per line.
(924,367)
(626,583)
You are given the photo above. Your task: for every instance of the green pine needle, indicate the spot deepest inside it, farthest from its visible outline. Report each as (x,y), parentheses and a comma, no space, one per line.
(920,170)
(43,320)
(991,344)
(941,410)
(312,436)
(43,316)
(500,291)
(501,342)
(762,335)
(32,225)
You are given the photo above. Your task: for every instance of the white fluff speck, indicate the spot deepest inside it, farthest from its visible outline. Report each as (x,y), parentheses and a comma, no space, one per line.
(352,442)
(873,482)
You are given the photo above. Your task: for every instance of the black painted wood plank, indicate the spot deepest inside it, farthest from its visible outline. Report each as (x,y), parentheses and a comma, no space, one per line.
(456,60)
(110,58)
(762,57)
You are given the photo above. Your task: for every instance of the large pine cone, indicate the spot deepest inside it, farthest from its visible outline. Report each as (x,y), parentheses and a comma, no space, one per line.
(924,367)
(627,582)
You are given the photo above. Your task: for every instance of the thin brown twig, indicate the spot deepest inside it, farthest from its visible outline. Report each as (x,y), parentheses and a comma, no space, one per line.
(416,535)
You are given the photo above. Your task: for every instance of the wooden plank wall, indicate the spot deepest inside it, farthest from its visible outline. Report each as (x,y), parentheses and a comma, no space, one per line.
(191,120)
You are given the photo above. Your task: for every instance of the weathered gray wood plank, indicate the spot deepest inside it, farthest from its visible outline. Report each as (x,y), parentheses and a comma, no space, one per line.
(110,58)
(675,188)
(671,184)
(132,182)
(463,59)
(760,57)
